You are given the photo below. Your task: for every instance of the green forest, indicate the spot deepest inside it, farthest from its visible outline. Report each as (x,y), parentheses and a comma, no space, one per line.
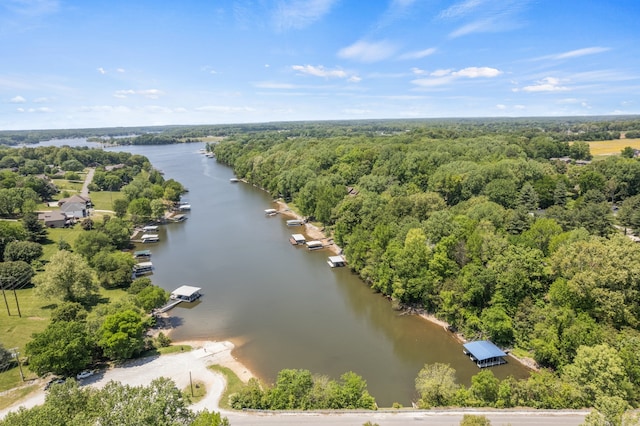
(508,231)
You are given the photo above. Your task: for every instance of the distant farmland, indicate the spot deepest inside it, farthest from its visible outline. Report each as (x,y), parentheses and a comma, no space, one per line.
(612,147)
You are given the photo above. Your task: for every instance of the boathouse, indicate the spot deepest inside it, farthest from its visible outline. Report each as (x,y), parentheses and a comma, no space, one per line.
(270,212)
(336,261)
(142,268)
(186,293)
(150,228)
(295,222)
(297,239)
(484,353)
(150,238)
(142,254)
(314,245)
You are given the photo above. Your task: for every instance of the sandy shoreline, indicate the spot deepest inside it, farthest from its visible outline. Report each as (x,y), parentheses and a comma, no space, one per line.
(310,230)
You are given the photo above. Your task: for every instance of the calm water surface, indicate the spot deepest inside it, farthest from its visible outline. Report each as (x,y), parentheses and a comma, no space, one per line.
(281,305)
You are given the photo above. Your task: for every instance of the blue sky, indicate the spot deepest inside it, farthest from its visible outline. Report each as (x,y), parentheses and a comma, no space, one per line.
(95,63)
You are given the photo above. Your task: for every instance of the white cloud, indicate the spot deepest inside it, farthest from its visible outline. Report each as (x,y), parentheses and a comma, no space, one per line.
(418,54)
(102,71)
(547,84)
(321,71)
(475,72)
(298,14)
(460,9)
(577,53)
(18,100)
(446,76)
(120,70)
(273,85)
(40,110)
(147,93)
(501,106)
(484,16)
(364,51)
(418,71)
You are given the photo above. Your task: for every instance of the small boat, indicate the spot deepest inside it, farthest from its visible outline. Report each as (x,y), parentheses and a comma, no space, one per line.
(234,180)
(184,207)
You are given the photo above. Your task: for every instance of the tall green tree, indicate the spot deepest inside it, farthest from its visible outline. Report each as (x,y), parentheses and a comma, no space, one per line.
(122,335)
(436,385)
(67,277)
(64,347)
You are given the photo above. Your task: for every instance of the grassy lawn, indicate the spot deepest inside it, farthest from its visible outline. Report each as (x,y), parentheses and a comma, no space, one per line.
(234,384)
(195,392)
(612,147)
(55,235)
(103,200)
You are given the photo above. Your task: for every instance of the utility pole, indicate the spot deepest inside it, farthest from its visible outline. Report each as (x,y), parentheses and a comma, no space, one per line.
(5,299)
(16,355)
(191,382)
(17,304)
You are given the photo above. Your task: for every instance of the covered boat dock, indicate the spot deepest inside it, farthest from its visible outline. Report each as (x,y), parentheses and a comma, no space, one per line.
(297,239)
(186,293)
(336,261)
(484,353)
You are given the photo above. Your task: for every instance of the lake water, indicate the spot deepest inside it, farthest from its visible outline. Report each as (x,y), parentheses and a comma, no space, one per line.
(282,306)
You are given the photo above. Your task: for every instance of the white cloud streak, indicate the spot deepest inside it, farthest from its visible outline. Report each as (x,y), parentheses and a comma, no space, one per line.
(364,51)
(147,93)
(576,53)
(547,84)
(447,76)
(18,100)
(297,14)
(323,72)
(418,54)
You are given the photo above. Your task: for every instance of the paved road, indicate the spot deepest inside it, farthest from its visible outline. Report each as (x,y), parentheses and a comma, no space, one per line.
(181,367)
(431,418)
(87,181)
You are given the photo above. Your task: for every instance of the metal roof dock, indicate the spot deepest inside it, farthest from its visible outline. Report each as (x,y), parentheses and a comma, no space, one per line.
(484,353)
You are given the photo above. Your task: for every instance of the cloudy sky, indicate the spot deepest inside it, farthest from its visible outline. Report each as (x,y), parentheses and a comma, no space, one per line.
(99,63)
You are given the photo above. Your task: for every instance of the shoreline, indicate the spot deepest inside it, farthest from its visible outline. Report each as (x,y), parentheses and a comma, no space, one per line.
(317,234)
(309,229)
(219,353)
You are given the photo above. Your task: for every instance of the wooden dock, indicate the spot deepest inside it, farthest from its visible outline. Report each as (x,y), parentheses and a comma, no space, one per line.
(170,305)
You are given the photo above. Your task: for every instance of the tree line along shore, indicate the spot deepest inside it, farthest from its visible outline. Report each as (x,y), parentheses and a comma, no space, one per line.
(507,231)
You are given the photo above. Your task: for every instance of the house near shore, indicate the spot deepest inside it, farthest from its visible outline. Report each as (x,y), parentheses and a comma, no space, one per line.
(75,210)
(76,199)
(54,219)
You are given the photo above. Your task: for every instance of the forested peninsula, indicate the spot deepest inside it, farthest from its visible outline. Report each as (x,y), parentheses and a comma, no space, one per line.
(506,230)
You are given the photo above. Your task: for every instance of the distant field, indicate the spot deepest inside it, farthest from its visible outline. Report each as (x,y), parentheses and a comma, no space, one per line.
(612,147)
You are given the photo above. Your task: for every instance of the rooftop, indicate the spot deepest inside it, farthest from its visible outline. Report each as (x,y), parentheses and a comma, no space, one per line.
(483,349)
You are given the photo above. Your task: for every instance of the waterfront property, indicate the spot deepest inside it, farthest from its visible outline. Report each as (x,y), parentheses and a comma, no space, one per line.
(314,245)
(142,254)
(484,353)
(150,238)
(297,239)
(295,222)
(178,218)
(336,261)
(186,293)
(142,268)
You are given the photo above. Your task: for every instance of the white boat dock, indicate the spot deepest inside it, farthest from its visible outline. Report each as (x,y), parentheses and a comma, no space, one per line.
(297,239)
(185,293)
(150,238)
(270,212)
(314,245)
(295,222)
(336,261)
